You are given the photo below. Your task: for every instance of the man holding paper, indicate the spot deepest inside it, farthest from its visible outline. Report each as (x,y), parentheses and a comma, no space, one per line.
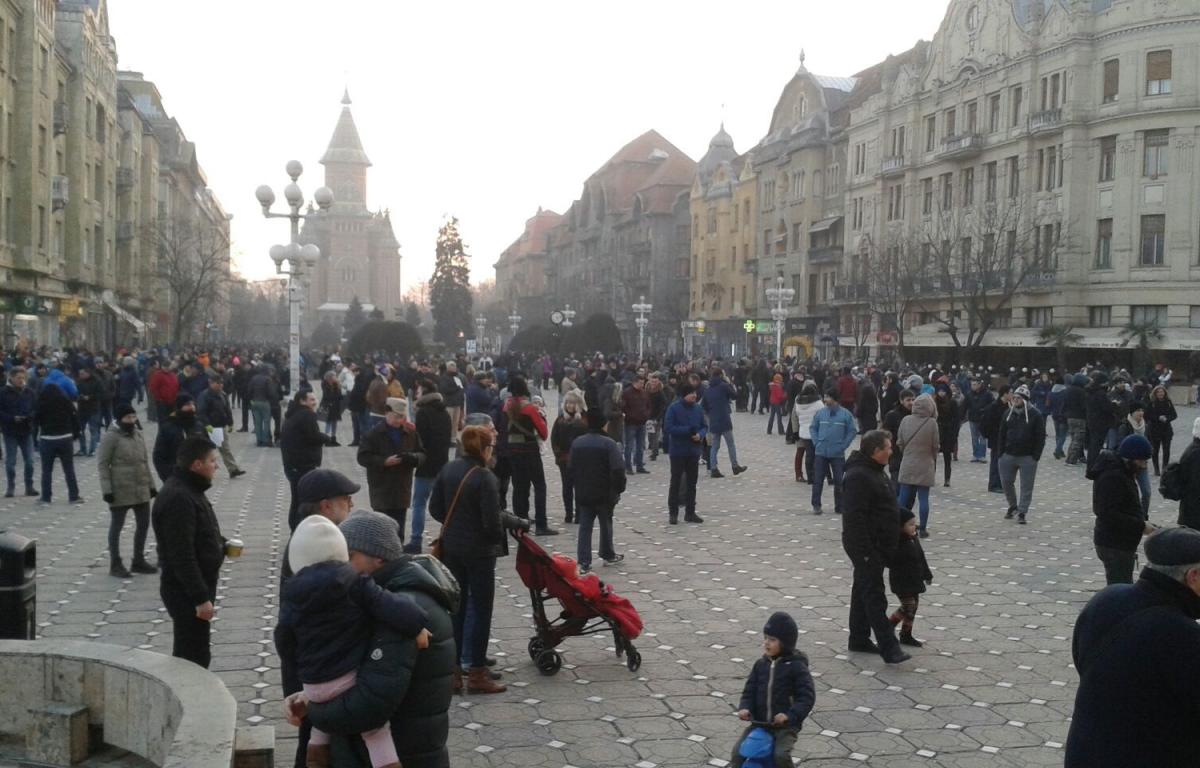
(216,415)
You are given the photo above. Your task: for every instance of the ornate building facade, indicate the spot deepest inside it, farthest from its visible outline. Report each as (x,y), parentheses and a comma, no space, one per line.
(360,257)
(521,269)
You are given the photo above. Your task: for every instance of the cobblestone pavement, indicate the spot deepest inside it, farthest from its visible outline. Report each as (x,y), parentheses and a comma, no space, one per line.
(993,686)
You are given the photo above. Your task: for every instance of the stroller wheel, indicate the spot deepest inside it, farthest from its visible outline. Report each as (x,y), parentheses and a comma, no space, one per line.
(536,646)
(549,662)
(633,660)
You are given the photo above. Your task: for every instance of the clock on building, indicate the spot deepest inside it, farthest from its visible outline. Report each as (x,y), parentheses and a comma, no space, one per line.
(556,317)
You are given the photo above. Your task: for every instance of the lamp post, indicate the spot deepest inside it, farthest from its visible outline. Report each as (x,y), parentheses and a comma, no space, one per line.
(780,296)
(642,309)
(568,316)
(301,259)
(480,325)
(514,322)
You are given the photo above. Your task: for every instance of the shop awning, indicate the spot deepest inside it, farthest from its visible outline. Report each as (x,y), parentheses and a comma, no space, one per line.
(125,314)
(823,224)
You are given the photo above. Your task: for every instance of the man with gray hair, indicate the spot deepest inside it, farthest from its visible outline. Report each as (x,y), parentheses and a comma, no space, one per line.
(1137,650)
(390,452)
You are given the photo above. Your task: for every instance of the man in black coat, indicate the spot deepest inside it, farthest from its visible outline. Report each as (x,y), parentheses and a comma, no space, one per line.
(1075,412)
(214,412)
(989,427)
(597,471)
(1189,469)
(190,549)
(173,429)
(1135,648)
(397,682)
(436,435)
(1117,504)
(301,441)
(1101,416)
(870,534)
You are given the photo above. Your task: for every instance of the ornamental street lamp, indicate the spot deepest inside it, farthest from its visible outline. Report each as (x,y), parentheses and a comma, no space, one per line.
(780,296)
(642,309)
(301,259)
(480,325)
(514,322)
(568,316)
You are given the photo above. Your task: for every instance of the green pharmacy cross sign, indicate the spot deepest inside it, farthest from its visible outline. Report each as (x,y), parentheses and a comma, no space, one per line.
(749,325)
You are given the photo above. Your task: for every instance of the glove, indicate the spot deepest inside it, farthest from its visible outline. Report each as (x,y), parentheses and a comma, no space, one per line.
(153,492)
(523,523)
(109,498)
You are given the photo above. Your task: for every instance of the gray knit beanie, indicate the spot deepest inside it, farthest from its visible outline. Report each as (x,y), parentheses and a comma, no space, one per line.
(372,533)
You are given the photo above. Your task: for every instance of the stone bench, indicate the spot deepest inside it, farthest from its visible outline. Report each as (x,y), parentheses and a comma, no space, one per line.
(57,733)
(168,711)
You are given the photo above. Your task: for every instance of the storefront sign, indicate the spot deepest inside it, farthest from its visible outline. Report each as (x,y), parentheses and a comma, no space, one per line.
(749,325)
(68,307)
(26,304)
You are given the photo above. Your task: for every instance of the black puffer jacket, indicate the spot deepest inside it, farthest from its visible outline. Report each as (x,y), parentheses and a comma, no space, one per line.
(190,545)
(396,682)
(434,430)
(1135,649)
(478,525)
(302,440)
(1075,401)
(788,683)
(1189,505)
(871,519)
(1101,410)
(1117,504)
(171,434)
(909,570)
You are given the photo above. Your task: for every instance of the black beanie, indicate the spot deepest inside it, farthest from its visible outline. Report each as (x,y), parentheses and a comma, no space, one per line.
(182,399)
(595,420)
(123,410)
(906,515)
(783,628)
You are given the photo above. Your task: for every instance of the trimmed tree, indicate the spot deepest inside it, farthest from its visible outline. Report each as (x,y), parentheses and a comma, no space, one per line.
(450,288)
(354,319)
(1142,334)
(598,333)
(391,337)
(412,315)
(325,335)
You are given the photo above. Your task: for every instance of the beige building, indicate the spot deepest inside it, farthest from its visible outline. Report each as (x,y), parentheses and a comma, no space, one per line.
(521,270)
(1050,139)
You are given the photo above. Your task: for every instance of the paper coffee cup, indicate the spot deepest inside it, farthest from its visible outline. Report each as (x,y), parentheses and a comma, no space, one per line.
(234,547)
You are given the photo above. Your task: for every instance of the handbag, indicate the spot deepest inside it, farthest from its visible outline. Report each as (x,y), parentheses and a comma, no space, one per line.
(435,548)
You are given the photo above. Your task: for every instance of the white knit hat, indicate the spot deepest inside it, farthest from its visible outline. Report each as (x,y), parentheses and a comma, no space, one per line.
(316,540)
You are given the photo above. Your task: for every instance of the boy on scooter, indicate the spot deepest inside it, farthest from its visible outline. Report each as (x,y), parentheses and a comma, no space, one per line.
(779,691)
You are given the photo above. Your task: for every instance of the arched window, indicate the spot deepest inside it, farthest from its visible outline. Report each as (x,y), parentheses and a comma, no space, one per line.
(798,193)
(784,190)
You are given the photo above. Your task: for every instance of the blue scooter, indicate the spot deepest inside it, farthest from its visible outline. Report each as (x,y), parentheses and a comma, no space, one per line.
(759,746)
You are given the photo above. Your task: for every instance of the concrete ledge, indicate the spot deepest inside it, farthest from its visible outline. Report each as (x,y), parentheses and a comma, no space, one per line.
(171,712)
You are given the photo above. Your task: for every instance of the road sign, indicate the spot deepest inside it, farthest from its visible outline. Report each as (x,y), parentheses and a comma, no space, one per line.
(472,346)
(749,326)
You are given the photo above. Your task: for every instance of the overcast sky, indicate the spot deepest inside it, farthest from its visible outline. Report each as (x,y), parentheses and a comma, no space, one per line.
(484,110)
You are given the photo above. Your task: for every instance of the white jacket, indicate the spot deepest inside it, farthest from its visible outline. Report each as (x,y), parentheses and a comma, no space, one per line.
(804,413)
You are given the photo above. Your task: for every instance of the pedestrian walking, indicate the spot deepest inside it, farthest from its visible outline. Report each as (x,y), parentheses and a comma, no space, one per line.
(526,426)
(978,399)
(808,402)
(569,425)
(990,428)
(635,404)
(777,396)
(908,575)
(717,405)
(870,535)
(1101,415)
(301,441)
(91,420)
(191,549)
(58,427)
(391,451)
(1075,410)
(949,421)
(1135,424)
(1021,440)
(1160,414)
(918,439)
(1116,503)
(173,428)
(331,404)
(436,435)
(597,474)
(832,431)
(685,430)
(18,415)
(128,486)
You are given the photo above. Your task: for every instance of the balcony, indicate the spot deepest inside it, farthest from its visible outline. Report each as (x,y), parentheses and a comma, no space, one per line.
(62,118)
(1036,280)
(1046,120)
(125,178)
(850,292)
(827,255)
(892,166)
(963,145)
(60,192)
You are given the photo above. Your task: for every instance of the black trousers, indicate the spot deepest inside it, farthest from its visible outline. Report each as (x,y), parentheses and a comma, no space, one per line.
(190,633)
(1095,444)
(1118,564)
(568,490)
(503,472)
(527,471)
(685,470)
(399,514)
(245,414)
(868,607)
(1160,444)
(141,515)
(293,476)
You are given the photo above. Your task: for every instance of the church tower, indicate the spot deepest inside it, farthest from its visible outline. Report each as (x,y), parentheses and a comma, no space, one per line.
(345,161)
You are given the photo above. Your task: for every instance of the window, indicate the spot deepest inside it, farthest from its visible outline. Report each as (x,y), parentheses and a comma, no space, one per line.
(42,228)
(696,225)
(1099,317)
(1104,229)
(898,141)
(1155,158)
(993,113)
(1108,158)
(1051,91)
(1112,81)
(856,213)
(1154,230)
(818,184)
(835,171)
(896,202)
(734,228)
(746,211)
(798,185)
(927,196)
(947,187)
(45,73)
(860,159)
(1013,169)
(973,117)
(1142,314)
(766,242)
(732,264)
(950,122)
(1049,169)
(1015,101)
(1045,246)
(42,149)
(930,133)
(1039,317)
(796,235)
(1158,73)
(1194,317)
(968,187)
(989,183)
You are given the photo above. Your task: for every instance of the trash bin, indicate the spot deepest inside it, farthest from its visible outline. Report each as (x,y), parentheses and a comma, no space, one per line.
(18,588)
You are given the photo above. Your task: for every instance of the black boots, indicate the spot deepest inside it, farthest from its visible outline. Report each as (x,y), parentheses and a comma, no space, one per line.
(118,569)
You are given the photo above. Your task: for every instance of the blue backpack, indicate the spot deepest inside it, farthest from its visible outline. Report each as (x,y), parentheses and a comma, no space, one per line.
(758,748)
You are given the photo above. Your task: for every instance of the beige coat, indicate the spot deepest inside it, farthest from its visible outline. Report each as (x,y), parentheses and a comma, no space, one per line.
(124,468)
(918,439)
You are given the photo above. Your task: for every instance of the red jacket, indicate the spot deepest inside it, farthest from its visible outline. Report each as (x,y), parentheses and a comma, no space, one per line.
(164,387)
(847,389)
(778,393)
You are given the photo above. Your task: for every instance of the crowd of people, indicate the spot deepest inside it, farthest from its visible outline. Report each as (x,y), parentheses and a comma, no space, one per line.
(461,441)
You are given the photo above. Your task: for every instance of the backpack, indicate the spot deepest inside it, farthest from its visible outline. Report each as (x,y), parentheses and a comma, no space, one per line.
(1172,484)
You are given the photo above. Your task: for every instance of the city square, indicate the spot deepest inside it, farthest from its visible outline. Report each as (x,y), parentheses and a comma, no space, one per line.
(994,684)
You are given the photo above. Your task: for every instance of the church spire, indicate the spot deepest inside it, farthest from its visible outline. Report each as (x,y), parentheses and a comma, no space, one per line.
(346,96)
(345,146)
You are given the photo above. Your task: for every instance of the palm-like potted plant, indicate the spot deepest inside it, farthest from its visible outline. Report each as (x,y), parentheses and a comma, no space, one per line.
(1063,337)
(1142,333)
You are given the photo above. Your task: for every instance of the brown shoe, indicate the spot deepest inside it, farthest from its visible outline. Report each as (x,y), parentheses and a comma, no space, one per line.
(479,680)
(317,756)
(458,680)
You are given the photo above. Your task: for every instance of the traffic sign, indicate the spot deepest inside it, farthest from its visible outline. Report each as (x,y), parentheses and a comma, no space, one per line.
(749,326)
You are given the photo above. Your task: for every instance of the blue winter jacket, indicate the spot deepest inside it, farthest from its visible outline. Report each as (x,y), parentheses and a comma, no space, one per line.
(717,402)
(680,423)
(479,399)
(1058,399)
(832,432)
(18,407)
(63,382)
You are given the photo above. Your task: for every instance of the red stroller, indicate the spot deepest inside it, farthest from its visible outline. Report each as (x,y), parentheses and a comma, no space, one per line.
(588,606)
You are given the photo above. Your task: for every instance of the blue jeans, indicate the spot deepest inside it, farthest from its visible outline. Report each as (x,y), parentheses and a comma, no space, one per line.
(837,464)
(476,578)
(58,449)
(421,488)
(586,516)
(11,444)
(922,492)
(1143,481)
(1060,434)
(92,426)
(716,438)
(775,415)
(635,447)
(261,410)
(1111,439)
(978,443)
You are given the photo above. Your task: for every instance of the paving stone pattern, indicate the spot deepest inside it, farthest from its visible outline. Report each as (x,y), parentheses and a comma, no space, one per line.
(993,686)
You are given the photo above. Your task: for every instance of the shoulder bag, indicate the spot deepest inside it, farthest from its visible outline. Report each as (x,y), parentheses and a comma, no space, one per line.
(435,548)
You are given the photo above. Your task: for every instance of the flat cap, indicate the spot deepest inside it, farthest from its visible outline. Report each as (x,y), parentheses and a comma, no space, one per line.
(321,484)
(1174,546)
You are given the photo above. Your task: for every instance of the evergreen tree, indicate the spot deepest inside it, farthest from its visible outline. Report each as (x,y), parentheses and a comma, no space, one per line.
(412,315)
(355,318)
(450,289)
(376,314)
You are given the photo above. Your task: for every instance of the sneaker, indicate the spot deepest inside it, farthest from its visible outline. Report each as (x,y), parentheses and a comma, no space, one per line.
(909,640)
(118,569)
(1010,514)
(546,531)
(614,559)
(643,471)
(569,520)
(584,570)
(817,510)
(628,471)
(738,470)
(716,473)
(1021,520)
(673,520)
(31,492)
(239,473)
(693,518)
(141,566)
(9,493)
(79,500)
(924,534)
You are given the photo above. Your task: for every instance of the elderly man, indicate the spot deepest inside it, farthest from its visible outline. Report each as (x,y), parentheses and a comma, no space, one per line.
(409,684)
(1136,650)
(390,452)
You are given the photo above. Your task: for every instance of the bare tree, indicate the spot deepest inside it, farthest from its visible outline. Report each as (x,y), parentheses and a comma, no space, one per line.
(193,268)
(887,280)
